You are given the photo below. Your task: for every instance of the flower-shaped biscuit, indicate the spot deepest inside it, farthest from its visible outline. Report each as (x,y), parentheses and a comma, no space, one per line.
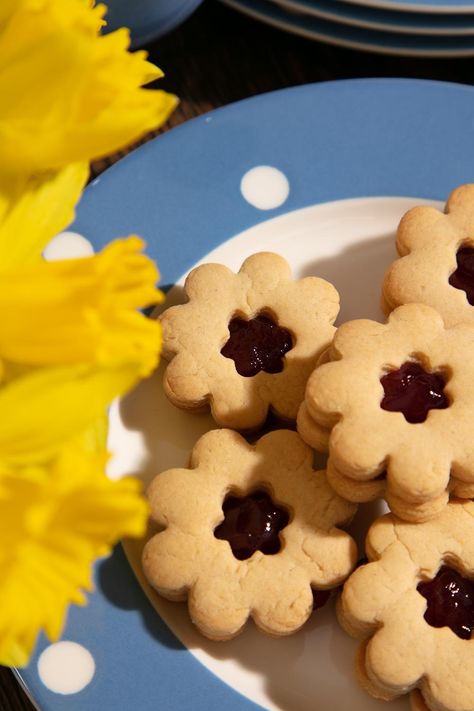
(437,259)
(396,406)
(413,607)
(248,341)
(250,530)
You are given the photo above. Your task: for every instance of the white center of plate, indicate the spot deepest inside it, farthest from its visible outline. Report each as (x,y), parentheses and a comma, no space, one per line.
(350,243)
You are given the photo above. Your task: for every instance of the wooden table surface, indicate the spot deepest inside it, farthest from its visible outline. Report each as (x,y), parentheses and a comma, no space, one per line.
(219,56)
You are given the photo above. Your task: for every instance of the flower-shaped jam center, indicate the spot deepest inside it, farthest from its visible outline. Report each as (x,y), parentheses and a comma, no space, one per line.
(252,523)
(450,601)
(413,391)
(257,344)
(463,276)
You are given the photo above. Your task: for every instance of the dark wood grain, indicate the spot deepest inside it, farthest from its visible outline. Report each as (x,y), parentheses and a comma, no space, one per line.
(12,696)
(219,56)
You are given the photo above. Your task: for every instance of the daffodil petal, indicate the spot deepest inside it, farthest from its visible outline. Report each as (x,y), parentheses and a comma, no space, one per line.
(67,93)
(7,8)
(83,310)
(54,522)
(33,210)
(47,406)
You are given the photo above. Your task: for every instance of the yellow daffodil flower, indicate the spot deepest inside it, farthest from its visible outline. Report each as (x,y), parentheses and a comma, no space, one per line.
(82,310)
(55,520)
(71,335)
(78,321)
(67,93)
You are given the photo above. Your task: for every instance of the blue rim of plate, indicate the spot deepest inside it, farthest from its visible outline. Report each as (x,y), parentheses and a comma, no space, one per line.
(431,6)
(360,38)
(155,22)
(386,20)
(334,140)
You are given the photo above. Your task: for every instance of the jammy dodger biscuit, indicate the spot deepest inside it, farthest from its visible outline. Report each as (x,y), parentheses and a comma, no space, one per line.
(412,607)
(394,407)
(249,531)
(246,342)
(436,265)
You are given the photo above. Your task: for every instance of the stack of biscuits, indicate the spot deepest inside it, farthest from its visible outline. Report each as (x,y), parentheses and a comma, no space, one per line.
(251,529)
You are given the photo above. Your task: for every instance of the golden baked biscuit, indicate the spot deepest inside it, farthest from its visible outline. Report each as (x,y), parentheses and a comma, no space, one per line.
(436,265)
(249,531)
(412,606)
(246,342)
(395,406)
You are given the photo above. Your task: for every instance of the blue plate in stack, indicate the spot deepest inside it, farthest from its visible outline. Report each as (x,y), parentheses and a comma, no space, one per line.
(425,28)
(147,19)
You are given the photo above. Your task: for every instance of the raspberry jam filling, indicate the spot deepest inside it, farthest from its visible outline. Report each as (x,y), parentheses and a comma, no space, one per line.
(257,344)
(252,523)
(463,277)
(450,601)
(413,392)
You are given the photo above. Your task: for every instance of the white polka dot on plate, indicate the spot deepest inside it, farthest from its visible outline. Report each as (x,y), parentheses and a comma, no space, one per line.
(66,667)
(265,187)
(67,245)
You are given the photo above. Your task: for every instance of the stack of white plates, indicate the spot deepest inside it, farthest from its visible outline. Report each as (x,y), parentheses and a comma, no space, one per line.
(426,28)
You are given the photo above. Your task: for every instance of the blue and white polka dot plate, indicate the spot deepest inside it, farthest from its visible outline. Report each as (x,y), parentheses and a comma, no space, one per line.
(321,174)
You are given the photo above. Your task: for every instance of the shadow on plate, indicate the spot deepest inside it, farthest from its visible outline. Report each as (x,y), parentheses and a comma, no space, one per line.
(357,273)
(119,585)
